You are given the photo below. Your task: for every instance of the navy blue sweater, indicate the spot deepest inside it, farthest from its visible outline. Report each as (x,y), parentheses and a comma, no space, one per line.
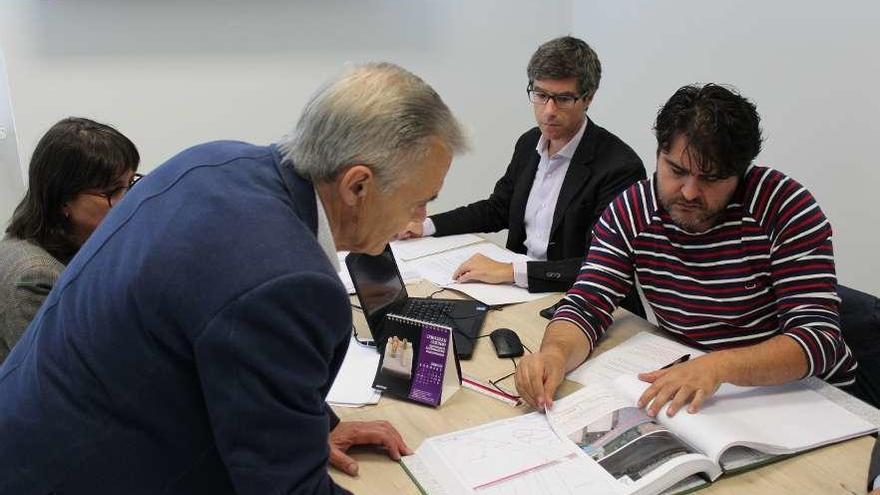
(189,345)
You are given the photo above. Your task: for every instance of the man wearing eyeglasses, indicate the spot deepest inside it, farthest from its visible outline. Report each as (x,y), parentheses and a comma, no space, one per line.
(563,174)
(733,257)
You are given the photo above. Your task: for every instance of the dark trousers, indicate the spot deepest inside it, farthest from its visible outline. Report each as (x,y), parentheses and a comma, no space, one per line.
(866,387)
(860,326)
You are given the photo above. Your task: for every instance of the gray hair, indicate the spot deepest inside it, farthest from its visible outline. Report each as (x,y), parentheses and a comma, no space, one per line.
(377,114)
(566,57)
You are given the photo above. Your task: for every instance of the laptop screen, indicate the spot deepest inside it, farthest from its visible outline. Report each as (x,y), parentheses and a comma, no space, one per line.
(377,282)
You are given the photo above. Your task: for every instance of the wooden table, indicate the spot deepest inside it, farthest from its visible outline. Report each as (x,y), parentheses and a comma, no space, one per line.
(837,469)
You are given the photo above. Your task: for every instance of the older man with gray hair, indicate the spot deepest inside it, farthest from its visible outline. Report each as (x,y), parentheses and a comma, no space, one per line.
(190,344)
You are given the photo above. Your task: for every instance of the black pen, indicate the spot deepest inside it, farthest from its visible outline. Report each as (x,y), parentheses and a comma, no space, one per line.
(677,361)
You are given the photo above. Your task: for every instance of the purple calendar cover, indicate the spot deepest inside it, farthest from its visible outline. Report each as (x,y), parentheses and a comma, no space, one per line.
(413,359)
(427,380)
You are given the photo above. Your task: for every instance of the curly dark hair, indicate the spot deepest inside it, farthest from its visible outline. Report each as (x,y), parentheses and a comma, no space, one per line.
(722,128)
(75,155)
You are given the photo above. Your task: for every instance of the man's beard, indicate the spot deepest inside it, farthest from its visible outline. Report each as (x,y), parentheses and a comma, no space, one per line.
(696,218)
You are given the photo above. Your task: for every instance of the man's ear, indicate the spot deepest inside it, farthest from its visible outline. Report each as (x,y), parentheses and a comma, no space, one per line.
(589,101)
(354,183)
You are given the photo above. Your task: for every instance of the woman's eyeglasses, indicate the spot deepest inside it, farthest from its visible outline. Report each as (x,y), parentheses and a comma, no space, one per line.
(114,195)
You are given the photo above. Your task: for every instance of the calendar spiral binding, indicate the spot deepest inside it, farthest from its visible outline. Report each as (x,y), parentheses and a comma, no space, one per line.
(414,321)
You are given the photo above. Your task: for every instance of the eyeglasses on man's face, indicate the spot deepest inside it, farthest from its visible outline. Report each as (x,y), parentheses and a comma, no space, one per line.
(115,194)
(562,100)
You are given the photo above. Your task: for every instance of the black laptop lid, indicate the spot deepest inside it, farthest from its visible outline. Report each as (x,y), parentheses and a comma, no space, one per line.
(378,284)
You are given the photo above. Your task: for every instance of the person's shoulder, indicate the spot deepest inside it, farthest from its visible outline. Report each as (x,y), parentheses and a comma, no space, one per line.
(529,138)
(767,190)
(216,168)
(610,145)
(779,204)
(22,253)
(23,262)
(640,197)
(221,152)
(635,206)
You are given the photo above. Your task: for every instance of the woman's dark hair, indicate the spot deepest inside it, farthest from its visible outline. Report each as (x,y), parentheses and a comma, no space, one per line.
(722,128)
(75,155)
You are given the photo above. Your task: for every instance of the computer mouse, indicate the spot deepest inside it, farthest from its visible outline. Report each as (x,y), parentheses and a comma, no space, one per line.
(506,342)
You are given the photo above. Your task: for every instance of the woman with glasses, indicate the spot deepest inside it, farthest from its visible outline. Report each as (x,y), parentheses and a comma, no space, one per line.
(79,170)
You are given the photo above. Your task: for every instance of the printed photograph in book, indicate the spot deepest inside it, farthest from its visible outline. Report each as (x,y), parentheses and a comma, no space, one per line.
(629,444)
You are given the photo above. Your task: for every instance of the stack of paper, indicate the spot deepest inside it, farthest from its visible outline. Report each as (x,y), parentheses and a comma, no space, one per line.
(440,267)
(353,386)
(411,249)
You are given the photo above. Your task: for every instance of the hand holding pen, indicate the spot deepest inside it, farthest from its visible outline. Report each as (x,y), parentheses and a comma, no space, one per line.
(677,361)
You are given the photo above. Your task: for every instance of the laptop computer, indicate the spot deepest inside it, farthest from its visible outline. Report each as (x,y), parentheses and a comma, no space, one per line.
(380,290)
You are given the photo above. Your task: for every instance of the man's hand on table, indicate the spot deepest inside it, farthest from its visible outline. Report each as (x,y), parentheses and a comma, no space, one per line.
(538,376)
(691,382)
(347,434)
(479,268)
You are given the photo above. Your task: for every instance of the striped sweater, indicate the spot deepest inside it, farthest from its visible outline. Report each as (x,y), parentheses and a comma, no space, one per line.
(766,268)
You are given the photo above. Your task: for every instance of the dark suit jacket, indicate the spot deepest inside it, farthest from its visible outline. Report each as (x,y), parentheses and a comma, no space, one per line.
(601,168)
(181,351)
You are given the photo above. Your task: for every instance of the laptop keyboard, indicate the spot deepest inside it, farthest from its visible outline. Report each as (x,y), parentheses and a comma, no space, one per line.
(433,311)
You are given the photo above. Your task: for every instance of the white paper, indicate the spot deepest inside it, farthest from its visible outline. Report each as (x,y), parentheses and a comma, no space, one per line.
(353,386)
(640,353)
(585,406)
(572,475)
(495,295)
(439,268)
(411,249)
(489,453)
(516,456)
(428,477)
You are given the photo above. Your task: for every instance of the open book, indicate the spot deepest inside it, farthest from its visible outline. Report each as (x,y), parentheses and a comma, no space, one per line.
(596,441)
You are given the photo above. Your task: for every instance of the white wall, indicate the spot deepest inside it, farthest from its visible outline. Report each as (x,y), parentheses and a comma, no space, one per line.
(810,67)
(11,181)
(172,74)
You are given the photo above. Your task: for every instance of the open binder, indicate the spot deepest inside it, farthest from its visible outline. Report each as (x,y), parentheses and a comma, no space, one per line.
(418,361)
(596,441)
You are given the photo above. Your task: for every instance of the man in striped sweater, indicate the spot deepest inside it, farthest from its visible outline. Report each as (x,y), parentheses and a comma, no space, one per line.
(732,257)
